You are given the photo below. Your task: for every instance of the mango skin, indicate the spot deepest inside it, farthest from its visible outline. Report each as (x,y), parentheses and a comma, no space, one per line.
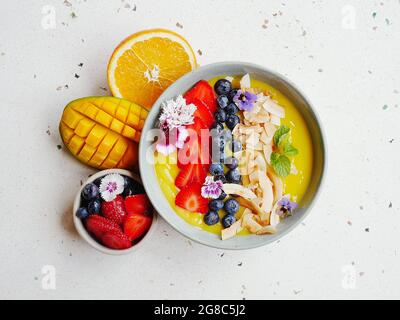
(103,132)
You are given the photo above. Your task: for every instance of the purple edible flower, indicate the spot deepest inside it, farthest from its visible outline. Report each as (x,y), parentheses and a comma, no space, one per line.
(245,100)
(286,207)
(211,189)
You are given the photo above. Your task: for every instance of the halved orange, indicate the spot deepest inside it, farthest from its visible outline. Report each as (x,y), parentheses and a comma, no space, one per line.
(148,62)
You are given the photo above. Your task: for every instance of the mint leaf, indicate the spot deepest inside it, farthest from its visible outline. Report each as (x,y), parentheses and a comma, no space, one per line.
(290,151)
(281,164)
(281,134)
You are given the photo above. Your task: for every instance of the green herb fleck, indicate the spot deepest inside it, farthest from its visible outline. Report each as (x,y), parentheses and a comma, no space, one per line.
(281,134)
(281,164)
(374,15)
(385,107)
(290,151)
(73,15)
(280,158)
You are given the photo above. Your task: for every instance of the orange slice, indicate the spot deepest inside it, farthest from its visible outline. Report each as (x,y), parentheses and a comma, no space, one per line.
(148,62)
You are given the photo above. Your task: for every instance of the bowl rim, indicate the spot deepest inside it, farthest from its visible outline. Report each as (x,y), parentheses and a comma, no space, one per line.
(86,235)
(148,125)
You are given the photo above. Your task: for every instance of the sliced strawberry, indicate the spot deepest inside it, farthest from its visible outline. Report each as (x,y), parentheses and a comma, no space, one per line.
(197,126)
(190,151)
(190,198)
(98,225)
(204,113)
(138,204)
(136,225)
(203,92)
(199,173)
(114,210)
(185,176)
(116,240)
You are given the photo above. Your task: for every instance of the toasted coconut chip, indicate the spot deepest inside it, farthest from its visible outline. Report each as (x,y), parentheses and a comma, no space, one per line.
(229,78)
(264,138)
(259,146)
(275,120)
(272,107)
(250,224)
(261,97)
(278,184)
(232,231)
(260,161)
(251,204)
(267,149)
(266,230)
(254,90)
(230,188)
(270,129)
(254,178)
(245,82)
(274,219)
(253,139)
(268,193)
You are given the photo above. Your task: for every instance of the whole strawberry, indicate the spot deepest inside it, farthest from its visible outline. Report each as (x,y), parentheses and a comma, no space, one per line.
(99,226)
(107,232)
(114,210)
(116,240)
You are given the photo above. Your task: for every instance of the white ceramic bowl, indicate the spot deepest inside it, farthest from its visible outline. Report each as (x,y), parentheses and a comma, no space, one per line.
(85,234)
(304,106)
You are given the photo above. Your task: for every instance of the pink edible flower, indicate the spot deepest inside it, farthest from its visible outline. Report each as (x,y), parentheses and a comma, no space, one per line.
(211,189)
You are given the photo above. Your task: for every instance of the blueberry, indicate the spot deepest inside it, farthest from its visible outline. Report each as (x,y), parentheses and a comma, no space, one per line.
(94,206)
(220,177)
(233,176)
(232,121)
(231,206)
(232,94)
(219,143)
(222,157)
(220,116)
(215,205)
(228,220)
(232,163)
(218,127)
(223,101)
(131,187)
(222,196)
(216,169)
(82,213)
(226,135)
(223,86)
(90,191)
(211,218)
(232,108)
(97,182)
(236,146)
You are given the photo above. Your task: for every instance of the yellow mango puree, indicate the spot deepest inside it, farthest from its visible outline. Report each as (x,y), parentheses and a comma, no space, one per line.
(295,185)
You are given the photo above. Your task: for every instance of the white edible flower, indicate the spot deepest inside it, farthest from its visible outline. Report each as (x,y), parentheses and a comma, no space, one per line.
(176,113)
(111,186)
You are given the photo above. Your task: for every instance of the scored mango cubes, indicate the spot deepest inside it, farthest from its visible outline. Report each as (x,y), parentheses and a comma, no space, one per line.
(103,132)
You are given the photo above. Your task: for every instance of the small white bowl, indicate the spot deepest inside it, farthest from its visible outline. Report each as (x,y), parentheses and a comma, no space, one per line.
(86,235)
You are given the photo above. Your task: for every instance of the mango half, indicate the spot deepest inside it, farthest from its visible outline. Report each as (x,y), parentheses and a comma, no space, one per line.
(103,132)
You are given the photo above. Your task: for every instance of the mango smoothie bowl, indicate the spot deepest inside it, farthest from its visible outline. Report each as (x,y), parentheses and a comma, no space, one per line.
(232,155)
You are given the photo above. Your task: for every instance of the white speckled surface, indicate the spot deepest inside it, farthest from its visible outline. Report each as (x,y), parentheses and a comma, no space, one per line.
(351,75)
